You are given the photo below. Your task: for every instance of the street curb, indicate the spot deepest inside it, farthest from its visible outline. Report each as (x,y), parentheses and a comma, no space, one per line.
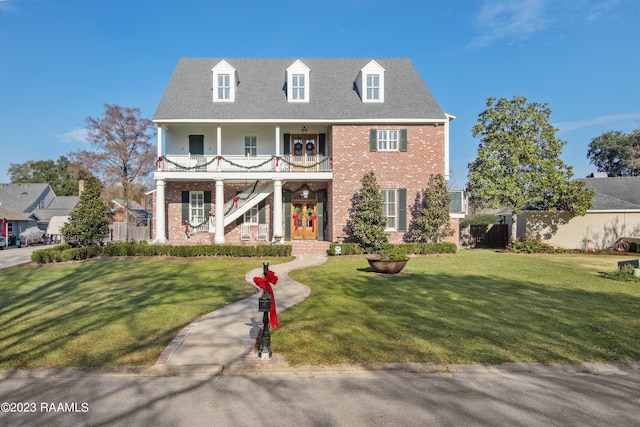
(277,366)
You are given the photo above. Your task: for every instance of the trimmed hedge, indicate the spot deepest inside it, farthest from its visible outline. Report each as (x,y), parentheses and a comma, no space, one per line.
(64,252)
(408,248)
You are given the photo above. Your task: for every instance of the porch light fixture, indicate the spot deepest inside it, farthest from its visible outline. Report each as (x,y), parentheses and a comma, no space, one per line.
(304,129)
(305,192)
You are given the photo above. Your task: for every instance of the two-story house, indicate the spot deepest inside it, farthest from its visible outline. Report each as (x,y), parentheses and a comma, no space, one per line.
(254,149)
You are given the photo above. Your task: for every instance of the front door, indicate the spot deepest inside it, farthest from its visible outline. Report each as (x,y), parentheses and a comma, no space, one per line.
(303,219)
(304,145)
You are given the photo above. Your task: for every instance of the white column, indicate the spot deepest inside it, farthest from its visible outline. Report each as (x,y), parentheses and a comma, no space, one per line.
(218,145)
(161,232)
(277,209)
(277,150)
(160,142)
(219,237)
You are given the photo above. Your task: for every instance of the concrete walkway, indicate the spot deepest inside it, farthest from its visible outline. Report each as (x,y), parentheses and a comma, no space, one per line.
(227,336)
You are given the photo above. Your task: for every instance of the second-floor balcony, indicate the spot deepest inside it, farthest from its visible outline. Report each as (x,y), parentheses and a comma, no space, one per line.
(231,163)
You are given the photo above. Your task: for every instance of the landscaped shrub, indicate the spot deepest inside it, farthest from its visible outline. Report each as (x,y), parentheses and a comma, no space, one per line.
(64,252)
(409,248)
(531,245)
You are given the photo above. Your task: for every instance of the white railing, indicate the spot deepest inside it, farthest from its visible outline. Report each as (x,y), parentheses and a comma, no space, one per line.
(286,163)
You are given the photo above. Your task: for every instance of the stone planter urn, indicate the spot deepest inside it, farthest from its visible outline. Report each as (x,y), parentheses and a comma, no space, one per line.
(387,266)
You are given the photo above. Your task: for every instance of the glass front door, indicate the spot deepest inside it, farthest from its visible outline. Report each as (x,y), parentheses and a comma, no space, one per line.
(304,220)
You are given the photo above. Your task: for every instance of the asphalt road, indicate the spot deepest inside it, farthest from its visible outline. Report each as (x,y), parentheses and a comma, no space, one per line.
(529,395)
(12,255)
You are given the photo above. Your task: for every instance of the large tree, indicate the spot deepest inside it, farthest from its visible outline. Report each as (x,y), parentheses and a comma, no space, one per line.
(616,153)
(431,221)
(123,154)
(88,224)
(62,175)
(367,220)
(518,163)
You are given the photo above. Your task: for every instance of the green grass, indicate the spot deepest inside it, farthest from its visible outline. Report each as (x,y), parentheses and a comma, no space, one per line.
(110,312)
(476,306)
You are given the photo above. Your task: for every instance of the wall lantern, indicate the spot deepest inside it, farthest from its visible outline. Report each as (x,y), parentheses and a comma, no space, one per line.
(304,130)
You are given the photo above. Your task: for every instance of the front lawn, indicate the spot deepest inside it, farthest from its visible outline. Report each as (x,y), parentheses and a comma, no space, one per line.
(109,312)
(477,306)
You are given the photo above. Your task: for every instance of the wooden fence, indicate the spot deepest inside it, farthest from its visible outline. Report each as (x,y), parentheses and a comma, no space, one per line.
(489,236)
(119,232)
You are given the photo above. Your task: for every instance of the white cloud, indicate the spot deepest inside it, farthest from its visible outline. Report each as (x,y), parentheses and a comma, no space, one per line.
(75,135)
(509,19)
(513,20)
(626,120)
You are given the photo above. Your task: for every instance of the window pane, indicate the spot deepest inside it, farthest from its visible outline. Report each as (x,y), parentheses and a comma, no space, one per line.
(389,207)
(196,206)
(250,146)
(251,216)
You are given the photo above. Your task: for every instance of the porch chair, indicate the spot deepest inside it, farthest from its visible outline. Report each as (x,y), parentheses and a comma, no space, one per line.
(245,232)
(263,233)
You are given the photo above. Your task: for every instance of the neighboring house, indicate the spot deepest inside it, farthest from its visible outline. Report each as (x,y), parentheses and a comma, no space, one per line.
(138,216)
(275,149)
(30,205)
(615,213)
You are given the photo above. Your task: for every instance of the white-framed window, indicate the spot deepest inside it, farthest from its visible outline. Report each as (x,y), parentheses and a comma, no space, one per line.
(196,207)
(298,83)
(389,206)
(224,87)
(387,140)
(251,216)
(250,146)
(370,82)
(373,87)
(224,82)
(297,86)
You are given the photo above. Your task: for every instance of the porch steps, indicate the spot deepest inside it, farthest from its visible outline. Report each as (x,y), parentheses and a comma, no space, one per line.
(309,247)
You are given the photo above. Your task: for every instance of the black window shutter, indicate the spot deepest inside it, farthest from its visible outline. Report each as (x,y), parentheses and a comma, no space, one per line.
(287,215)
(373,140)
(196,144)
(185,206)
(287,144)
(322,145)
(402,209)
(262,217)
(207,203)
(403,140)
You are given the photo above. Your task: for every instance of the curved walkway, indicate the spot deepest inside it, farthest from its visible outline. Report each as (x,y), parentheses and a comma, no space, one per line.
(227,336)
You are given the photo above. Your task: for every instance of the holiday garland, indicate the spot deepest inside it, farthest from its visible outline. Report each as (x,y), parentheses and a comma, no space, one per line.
(221,158)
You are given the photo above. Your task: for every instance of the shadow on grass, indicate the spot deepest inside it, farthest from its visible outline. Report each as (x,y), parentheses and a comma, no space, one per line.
(106,312)
(364,317)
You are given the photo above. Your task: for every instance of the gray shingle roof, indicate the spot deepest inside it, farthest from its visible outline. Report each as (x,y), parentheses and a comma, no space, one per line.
(615,193)
(22,197)
(260,91)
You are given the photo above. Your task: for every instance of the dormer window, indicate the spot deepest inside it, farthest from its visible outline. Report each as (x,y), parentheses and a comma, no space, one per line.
(370,82)
(298,82)
(224,82)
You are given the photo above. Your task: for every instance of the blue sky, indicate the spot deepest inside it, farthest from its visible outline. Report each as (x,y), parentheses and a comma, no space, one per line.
(61,60)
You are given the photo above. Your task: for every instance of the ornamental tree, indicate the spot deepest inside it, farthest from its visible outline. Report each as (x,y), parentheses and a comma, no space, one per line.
(518,163)
(123,154)
(367,220)
(431,217)
(88,224)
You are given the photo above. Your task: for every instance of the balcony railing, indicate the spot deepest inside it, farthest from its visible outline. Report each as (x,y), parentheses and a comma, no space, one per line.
(201,163)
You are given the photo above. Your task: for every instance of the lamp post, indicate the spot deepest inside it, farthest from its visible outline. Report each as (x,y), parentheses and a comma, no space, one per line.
(264,306)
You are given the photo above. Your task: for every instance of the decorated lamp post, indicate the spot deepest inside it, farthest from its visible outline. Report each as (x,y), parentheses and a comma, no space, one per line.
(267,306)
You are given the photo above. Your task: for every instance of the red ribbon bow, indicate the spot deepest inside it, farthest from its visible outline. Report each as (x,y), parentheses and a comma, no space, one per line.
(158,162)
(265,283)
(235,202)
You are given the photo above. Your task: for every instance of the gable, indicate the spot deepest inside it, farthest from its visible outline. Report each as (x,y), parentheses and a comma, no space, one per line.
(261,92)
